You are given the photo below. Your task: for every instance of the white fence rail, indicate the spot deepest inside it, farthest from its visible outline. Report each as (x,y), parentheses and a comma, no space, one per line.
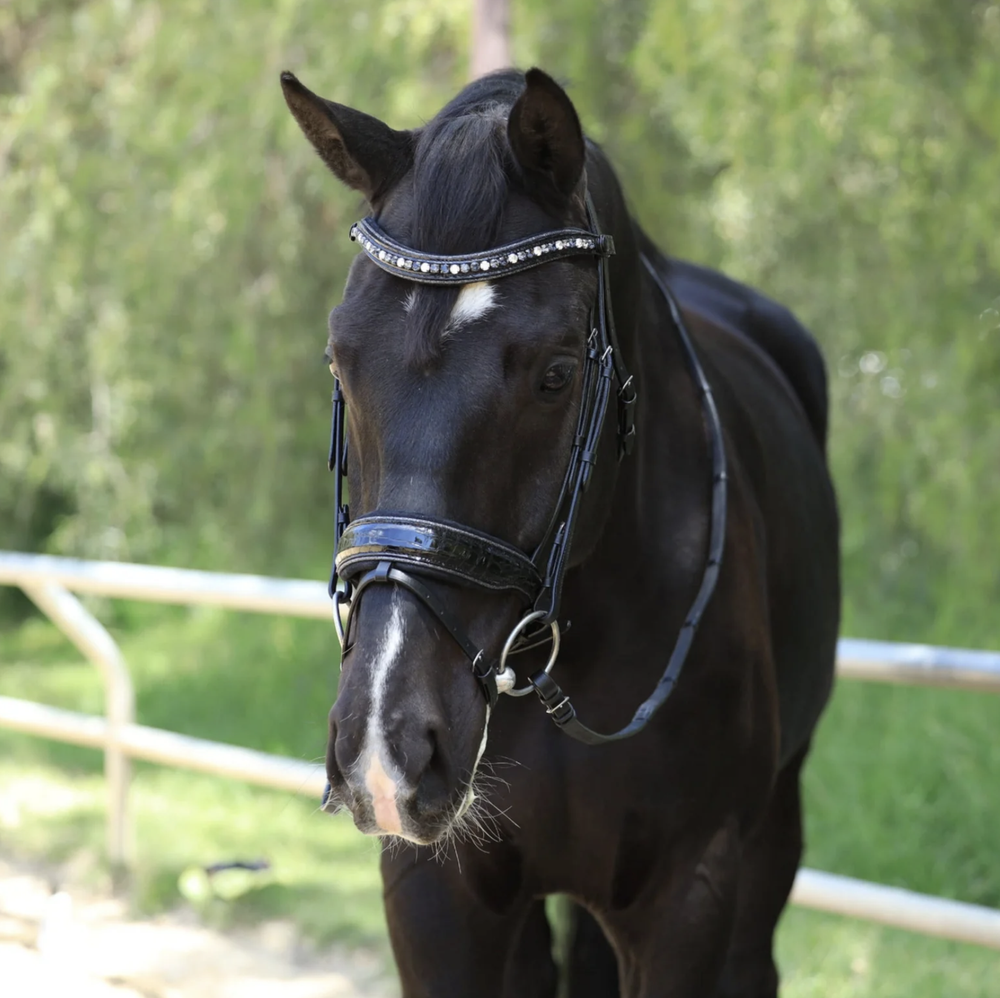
(48,582)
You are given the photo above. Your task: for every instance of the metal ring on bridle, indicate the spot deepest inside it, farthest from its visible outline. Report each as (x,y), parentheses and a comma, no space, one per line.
(505,674)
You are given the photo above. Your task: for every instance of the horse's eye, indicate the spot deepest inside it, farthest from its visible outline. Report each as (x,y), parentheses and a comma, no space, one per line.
(557,377)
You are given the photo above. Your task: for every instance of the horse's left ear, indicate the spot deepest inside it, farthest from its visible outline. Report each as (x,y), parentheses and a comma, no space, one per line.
(545,135)
(362,151)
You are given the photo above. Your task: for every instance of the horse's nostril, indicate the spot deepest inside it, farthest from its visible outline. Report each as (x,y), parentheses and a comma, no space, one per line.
(436,756)
(419,750)
(346,742)
(346,751)
(436,767)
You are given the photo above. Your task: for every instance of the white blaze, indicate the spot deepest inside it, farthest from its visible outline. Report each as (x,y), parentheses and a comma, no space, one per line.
(381,775)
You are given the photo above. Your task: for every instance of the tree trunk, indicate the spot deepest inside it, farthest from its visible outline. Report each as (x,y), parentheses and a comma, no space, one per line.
(490,36)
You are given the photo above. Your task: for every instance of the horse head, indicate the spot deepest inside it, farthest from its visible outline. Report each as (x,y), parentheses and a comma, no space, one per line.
(464,402)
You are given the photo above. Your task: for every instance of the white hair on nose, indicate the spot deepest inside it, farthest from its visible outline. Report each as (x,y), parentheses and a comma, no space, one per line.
(388,651)
(382,778)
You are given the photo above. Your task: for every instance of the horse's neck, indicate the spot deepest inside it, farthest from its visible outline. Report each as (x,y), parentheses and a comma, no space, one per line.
(657,531)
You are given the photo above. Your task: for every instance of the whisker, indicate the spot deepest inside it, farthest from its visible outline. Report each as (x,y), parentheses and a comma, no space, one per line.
(502,760)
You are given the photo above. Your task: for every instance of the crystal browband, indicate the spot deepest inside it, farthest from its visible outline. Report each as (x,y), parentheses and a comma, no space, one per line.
(428,268)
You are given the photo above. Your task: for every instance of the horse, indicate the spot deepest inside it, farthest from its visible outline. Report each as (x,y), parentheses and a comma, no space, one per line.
(678,561)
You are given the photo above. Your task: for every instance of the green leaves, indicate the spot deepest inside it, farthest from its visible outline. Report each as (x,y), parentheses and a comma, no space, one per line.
(842,157)
(169,247)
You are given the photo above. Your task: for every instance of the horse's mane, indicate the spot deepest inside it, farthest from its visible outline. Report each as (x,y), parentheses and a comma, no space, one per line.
(462,167)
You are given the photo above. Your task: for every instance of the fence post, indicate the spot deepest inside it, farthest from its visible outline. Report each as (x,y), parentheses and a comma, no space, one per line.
(91,637)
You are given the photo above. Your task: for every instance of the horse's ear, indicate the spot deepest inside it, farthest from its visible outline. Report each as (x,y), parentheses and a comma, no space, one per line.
(545,135)
(363,152)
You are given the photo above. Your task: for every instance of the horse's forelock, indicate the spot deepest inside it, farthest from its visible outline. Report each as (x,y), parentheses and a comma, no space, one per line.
(460,181)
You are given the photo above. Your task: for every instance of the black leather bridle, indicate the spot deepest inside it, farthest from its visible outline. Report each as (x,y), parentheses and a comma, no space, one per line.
(407,549)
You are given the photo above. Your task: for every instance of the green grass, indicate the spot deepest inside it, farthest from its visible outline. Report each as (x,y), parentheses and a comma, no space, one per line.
(823,956)
(901,789)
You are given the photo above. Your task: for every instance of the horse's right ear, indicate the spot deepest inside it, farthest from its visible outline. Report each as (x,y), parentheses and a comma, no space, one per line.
(363,152)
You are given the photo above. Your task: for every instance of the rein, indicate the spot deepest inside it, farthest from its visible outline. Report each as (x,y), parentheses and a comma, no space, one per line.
(405,548)
(557,704)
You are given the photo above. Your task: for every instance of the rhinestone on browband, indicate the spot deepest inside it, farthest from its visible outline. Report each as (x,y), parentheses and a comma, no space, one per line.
(428,268)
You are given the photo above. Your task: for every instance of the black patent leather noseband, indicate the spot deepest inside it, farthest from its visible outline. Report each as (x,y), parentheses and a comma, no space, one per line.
(404,549)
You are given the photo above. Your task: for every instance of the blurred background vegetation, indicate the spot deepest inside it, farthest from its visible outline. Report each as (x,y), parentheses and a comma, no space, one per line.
(170,247)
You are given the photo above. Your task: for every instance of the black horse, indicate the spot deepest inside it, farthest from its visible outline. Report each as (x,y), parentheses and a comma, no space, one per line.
(502,295)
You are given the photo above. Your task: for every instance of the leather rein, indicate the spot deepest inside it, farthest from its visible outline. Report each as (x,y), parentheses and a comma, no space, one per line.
(407,549)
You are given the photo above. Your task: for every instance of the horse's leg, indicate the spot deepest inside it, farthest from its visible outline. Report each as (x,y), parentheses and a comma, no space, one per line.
(770,860)
(673,944)
(531,969)
(591,965)
(447,941)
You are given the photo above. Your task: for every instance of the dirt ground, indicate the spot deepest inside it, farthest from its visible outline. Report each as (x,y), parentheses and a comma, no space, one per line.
(69,944)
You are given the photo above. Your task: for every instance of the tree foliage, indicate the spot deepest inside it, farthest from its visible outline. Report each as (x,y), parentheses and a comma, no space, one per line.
(169,247)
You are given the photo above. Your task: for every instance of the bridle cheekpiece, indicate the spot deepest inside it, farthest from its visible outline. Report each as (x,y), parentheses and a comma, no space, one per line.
(414,551)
